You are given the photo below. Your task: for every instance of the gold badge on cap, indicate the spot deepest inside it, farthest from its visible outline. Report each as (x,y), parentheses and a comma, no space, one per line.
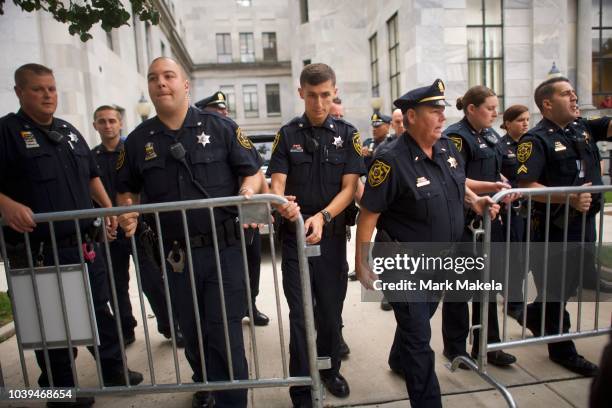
(150,151)
(457,141)
(220,96)
(441,86)
(378,173)
(357,143)
(523,152)
(243,140)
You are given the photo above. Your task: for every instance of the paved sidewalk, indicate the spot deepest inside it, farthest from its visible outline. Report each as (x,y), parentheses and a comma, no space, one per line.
(534,380)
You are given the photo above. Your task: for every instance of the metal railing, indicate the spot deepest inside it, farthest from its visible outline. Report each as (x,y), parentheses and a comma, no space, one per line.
(254,210)
(545,203)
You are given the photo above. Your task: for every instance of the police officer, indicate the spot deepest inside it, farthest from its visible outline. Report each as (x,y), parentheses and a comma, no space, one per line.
(561,150)
(397,123)
(380,134)
(181,154)
(479,147)
(316,160)
(108,123)
(217,102)
(515,122)
(409,187)
(46,166)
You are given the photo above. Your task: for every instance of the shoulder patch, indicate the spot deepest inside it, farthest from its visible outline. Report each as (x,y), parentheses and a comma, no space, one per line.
(275,142)
(458,141)
(120,160)
(379,171)
(357,143)
(523,152)
(243,140)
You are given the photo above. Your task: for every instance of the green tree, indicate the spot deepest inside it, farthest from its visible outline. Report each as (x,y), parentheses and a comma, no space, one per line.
(81,15)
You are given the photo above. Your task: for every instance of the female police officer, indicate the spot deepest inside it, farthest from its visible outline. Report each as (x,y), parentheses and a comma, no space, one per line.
(408,186)
(479,147)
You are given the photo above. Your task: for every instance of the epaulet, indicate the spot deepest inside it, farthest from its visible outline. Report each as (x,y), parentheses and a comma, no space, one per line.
(144,126)
(455,128)
(207,113)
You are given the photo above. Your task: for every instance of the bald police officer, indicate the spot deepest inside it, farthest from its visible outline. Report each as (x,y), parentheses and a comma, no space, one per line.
(46,166)
(181,154)
(415,192)
(561,150)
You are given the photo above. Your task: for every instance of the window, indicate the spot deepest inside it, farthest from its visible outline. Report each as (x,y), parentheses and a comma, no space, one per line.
(249,98)
(485,45)
(273,99)
(602,50)
(303,11)
(269,46)
(394,71)
(247,50)
(244,3)
(306,62)
(224,48)
(374,65)
(163,48)
(228,90)
(148,44)
(137,36)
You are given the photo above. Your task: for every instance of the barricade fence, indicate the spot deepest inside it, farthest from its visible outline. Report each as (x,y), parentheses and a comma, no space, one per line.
(559,262)
(54,279)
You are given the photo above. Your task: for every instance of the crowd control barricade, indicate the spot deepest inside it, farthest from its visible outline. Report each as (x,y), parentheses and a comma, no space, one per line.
(554,206)
(53,305)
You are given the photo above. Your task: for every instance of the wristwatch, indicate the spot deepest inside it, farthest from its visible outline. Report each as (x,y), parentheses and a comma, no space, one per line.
(326,216)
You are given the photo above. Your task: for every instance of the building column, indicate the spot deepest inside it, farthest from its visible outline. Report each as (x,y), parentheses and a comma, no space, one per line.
(584,49)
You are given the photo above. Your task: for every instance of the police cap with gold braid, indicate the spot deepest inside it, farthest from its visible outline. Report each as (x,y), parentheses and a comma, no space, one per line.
(217,100)
(432,95)
(378,119)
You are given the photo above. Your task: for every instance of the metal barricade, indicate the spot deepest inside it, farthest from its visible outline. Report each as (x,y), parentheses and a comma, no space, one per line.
(257,210)
(546,197)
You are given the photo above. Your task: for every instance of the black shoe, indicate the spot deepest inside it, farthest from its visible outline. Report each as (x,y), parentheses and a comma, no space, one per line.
(128,339)
(352,275)
(498,358)
(259,319)
(451,357)
(117,378)
(577,364)
(202,399)
(344,349)
(385,305)
(80,402)
(336,385)
(180,340)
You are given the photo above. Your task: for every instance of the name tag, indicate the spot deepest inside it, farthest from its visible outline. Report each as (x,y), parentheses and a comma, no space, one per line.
(422,181)
(559,147)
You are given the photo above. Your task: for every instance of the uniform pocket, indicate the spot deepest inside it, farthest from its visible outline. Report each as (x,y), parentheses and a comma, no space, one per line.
(334,166)
(210,167)
(43,166)
(155,178)
(301,164)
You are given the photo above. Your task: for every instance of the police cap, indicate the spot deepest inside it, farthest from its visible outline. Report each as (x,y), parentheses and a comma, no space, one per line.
(217,100)
(378,119)
(432,95)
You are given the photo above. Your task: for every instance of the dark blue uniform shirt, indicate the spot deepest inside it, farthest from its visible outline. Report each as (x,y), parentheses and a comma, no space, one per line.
(510,162)
(108,161)
(217,152)
(420,199)
(316,178)
(44,175)
(481,151)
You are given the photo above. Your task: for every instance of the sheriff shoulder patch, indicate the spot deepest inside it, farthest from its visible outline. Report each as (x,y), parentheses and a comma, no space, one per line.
(243,140)
(275,142)
(458,141)
(120,160)
(378,173)
(523,152)
(357,143)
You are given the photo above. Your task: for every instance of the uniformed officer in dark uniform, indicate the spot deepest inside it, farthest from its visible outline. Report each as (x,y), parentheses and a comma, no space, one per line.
(217,102)
(316,160)
(108,123)
(380,134)
(561,150)
(416,192)
(185,153)
(46,166)
(481,151)
(515,122)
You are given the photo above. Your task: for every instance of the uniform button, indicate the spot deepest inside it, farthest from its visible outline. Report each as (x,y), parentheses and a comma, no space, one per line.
(180,177)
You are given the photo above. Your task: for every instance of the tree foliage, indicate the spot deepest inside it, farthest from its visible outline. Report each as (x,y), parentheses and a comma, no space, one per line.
(81,15)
